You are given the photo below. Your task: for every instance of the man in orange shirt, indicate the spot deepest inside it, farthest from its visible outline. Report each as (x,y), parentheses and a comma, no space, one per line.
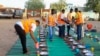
(51,23)
(82,23)
(78,22)
(69,19)
(22,28)
(61,23)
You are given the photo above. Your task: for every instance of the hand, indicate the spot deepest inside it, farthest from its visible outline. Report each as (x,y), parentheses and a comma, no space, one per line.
(56,24)
(37,45)
(67,22)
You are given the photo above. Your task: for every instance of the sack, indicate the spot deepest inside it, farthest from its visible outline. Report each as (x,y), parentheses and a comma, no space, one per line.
(56,33)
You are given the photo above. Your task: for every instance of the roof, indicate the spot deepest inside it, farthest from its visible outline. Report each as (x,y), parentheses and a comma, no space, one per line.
(1,6)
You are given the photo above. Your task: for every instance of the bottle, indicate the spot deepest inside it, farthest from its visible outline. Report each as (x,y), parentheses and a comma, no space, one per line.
(38,53)
(92,49)
(38,39)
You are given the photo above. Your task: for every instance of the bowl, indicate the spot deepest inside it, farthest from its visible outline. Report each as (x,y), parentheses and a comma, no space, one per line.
(75,43)
(86,51)
(89,54)
(81,46)
(43,53)
(71,39)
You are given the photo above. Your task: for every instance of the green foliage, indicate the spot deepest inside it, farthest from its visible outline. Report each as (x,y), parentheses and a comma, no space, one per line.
(97,8)
(34,4)
(91,5)
(61,4)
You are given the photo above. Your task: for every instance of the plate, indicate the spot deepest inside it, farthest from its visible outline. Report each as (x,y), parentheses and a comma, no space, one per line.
(43,53)
(81,46)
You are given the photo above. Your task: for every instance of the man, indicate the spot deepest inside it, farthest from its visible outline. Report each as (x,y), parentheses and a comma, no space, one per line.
(51,23)
(61,24)
(26,26)
(78,22)
(69,19)
(82,23)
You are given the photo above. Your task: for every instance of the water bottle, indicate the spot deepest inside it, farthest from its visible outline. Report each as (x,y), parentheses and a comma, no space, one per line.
(92,49)
(38,39)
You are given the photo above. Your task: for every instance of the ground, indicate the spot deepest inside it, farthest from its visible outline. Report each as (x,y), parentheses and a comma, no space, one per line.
(8,36)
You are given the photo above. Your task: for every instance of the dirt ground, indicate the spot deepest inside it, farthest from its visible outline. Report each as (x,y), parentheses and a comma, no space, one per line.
(8,36)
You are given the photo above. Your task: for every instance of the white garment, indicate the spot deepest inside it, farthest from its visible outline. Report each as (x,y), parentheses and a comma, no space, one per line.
(33,27)
(73,14)
(21,25)
(63,16)
(82,31)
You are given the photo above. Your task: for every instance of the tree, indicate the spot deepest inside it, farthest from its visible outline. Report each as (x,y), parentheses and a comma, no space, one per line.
(97,8)
(34,4)
(93,5)
(61,4)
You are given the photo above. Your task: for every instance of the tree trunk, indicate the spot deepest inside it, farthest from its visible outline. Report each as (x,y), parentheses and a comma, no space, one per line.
(99,16)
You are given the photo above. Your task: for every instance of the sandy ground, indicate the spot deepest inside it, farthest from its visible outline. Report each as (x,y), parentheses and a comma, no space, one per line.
(8,36)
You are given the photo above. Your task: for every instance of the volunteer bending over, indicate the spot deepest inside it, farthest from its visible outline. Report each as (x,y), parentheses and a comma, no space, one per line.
(22,28)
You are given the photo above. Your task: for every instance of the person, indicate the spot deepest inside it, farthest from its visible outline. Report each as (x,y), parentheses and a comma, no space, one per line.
(26,26)
(83,22)
(61,23)
(69,19)
(24,16)
(44,23)
(14,13)
(78,22)
(51,23)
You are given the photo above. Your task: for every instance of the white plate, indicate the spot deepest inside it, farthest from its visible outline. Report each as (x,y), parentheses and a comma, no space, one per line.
(87,34)
(70,37)
(81,46)
(89,54)
(71,40)
(43,53)
(85,51)
(42,44)
(75,43)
